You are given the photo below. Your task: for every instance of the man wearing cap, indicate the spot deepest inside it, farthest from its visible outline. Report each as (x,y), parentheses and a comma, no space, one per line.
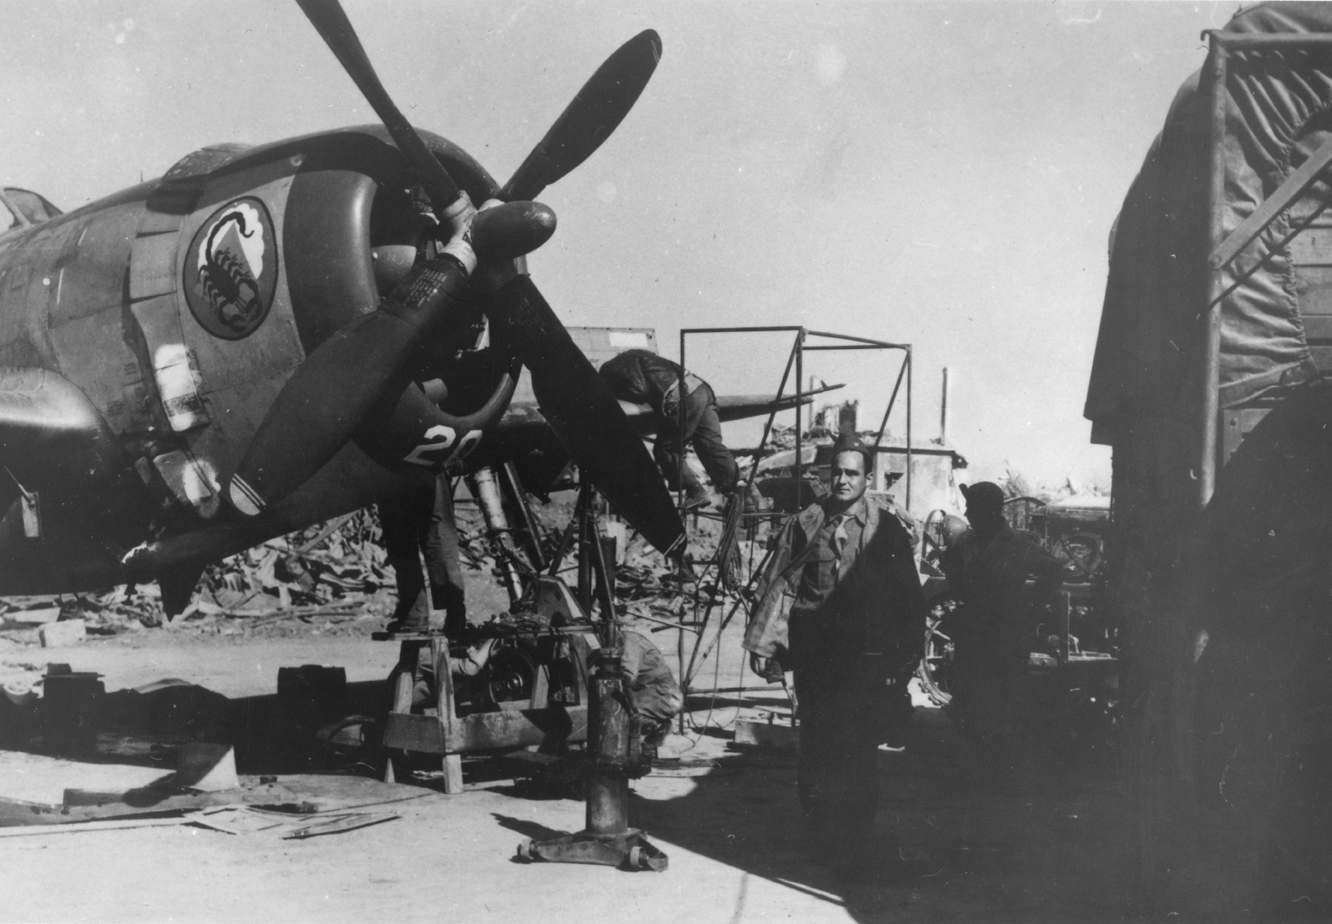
(643,377)
(840,602)
(988,569)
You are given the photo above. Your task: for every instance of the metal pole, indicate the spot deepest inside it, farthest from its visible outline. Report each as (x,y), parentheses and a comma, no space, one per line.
(679,500)
(909,365)
(486,488)
(1211,334)
(680,424)
(892,400)
(519,495)
(850,339)
(585,539)
(883,424)
(772,416)
(800,380)
(1254,41)
(943,411)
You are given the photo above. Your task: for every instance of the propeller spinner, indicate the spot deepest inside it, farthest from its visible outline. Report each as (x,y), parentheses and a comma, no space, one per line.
(322,404)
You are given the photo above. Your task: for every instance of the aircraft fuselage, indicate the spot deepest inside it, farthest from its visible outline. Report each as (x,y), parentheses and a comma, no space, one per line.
(144,336)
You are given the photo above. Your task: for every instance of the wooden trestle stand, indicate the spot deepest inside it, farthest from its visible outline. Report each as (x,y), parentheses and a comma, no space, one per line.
(515,724)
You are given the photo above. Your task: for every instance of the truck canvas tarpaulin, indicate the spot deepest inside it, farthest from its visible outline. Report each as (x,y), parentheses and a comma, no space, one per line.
(1150,343)
(1210,382)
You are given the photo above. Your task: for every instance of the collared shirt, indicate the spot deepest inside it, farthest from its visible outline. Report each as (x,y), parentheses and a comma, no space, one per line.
(823,566)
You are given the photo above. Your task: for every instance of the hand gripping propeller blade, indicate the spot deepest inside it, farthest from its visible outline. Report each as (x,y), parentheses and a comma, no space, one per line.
(331,23)
(585,415)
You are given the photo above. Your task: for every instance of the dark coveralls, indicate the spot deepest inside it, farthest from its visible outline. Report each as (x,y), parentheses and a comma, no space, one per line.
(994,630)
(856,621)
(421,521)
(656,695)
(643,377)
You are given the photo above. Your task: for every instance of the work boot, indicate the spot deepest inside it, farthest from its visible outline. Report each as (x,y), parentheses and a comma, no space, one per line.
(452,600)
(411,616)
(696,498)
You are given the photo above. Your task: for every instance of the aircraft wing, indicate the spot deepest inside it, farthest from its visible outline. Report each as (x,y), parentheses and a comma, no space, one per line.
(738,407)
(86,499)
(729,407)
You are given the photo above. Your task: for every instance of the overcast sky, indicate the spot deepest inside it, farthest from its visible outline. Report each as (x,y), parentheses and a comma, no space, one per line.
(937,174)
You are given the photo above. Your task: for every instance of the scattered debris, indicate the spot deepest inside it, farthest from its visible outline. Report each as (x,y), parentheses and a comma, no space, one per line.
(86,827)
(57,634)
(249,820)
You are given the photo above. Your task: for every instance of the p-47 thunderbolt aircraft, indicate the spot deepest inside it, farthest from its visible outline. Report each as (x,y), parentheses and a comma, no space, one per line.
(234,350)
(267,337)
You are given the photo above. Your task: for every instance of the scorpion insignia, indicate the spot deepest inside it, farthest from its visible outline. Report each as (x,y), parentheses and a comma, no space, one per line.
(233,270)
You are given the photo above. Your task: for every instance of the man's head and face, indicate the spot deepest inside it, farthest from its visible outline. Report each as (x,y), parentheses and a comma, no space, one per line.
(985,507)
(850,473)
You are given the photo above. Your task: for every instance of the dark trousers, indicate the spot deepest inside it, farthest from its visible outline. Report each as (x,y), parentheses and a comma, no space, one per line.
(988,704)
(838,777)
(421,521)
(702,430)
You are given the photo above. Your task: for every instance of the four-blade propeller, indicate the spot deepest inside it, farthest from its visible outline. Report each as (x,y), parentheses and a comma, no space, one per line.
(335,389)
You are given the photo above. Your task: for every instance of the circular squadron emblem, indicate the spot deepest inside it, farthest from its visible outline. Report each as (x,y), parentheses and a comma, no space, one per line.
(231,269)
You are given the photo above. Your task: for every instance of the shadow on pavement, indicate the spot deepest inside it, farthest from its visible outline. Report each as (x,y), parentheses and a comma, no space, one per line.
(1048,845)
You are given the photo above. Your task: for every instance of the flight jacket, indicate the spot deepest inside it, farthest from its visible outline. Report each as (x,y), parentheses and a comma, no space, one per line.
(878,588)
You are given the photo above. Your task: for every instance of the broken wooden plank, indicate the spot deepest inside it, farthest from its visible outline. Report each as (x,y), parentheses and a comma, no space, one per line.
(84,827)
(340,825)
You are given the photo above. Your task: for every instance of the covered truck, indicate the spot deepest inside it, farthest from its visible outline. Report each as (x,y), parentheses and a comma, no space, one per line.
(1210,383)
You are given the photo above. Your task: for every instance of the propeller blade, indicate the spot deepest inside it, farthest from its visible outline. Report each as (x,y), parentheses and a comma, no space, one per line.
(336,388)
(333,26)
(332,392)
(589,119)
(584,413)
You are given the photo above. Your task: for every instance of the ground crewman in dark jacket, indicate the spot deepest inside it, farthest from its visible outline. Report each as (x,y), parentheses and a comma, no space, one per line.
(1003,579)
(856,632)
(643,377)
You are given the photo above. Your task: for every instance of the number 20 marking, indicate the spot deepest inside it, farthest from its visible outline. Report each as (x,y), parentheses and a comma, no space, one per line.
(448,436)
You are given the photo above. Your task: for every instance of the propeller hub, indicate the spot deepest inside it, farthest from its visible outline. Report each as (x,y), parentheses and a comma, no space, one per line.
(508,230)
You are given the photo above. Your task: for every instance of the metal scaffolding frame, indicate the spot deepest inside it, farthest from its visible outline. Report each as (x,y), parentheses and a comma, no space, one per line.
(702,647)
(798,349)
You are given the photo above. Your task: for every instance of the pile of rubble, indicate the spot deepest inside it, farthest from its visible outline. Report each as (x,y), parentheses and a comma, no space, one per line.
(335,574)
(334,571)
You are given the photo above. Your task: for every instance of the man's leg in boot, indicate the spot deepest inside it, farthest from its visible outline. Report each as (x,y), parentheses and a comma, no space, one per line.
(677,473)
(706,439)
(444,561)
(400,521)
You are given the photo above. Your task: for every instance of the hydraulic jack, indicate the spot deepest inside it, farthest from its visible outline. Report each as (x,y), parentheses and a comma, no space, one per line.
(612,754)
